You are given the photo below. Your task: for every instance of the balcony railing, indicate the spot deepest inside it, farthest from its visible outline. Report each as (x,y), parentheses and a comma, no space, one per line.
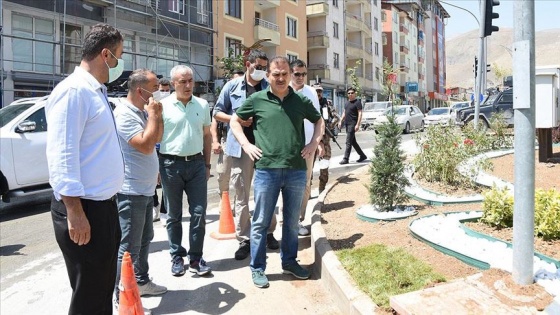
(404,49)
(317,40)
(403,29)
(317,9)
(266,24)
(266,30)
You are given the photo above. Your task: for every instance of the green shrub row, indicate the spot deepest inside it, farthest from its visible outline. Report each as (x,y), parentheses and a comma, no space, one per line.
(498,211)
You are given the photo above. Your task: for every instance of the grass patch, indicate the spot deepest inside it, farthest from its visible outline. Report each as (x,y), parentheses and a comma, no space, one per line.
(382,272)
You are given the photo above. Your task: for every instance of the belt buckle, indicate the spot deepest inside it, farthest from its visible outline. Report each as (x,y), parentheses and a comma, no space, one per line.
(188,158)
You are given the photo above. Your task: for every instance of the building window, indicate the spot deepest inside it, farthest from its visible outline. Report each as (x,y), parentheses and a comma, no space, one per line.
(233,8)
(29,54)
(383,16)
(376,45)
(177,6)
(335,3)
(384,38)
(202,12)
(375,24)
(395,37)
(377,73)
(335,30)
(336,58)
(72,55)
(375,2)
(233,47)
(291,27)
(292,57)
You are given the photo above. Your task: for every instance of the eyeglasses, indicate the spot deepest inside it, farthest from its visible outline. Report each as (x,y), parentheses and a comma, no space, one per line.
(259,67)
(300,74)
(351,93)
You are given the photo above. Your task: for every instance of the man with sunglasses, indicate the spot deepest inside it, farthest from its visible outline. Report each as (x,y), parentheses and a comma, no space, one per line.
(140,126)
(297,82)
(352,118)
(231,97)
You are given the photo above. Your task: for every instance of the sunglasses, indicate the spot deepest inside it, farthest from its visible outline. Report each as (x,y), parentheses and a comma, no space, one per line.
(350,93)
(259,67)
(300,74)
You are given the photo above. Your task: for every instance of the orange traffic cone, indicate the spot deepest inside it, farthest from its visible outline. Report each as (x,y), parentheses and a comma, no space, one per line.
(227,227)
(129,297)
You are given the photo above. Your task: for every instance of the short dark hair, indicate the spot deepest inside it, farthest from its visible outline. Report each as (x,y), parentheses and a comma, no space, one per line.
(298,63)
(278,60)
(100,36)
(351,89)
(137,78)
(256,54)
(164,81)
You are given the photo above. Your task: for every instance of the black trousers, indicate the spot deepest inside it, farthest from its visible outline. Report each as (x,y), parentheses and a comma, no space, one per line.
(92,268)
(351,142)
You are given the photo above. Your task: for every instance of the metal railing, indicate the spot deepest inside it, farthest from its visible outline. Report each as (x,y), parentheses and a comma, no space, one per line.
(266,24)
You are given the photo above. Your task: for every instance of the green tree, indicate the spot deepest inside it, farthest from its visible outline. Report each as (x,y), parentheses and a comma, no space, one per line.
(230,63)
(354,80)
(500,72)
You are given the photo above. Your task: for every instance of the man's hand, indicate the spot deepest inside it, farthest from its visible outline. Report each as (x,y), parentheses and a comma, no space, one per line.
(357,127)
(216,148)
(154,108)
(309,150)
(78,224)
(252,151)
(247,123)
(320,149)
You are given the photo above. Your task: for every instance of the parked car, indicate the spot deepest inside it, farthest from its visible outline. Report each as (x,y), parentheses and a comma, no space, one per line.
(372,110)
(23,139)
(457,106)
(438,116)
(409,117)
(497,103)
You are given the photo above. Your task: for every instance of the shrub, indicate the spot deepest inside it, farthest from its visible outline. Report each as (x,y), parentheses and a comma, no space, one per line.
(498,211)
(556,134)
(501,138)
(387,180)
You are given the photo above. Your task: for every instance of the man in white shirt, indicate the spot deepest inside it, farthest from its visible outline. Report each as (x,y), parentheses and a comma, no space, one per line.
(139,130)
(86,170)
(299,75)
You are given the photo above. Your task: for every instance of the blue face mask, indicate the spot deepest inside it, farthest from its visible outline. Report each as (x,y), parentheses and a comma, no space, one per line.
(115,73)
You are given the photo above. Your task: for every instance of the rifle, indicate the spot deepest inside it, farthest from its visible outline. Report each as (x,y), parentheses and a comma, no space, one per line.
(331,135)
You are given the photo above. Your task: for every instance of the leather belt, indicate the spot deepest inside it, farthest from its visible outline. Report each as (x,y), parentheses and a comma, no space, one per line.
(193,157)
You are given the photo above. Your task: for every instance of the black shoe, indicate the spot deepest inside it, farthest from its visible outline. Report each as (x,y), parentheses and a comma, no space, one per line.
(243,250)
(271,242)
(361,159)
(343,162)
(178,266)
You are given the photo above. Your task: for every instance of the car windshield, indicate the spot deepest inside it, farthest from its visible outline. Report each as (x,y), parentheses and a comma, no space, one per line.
(8,113)
(398,111)
(460,105)
(371,107)
(438,111)
(490,100)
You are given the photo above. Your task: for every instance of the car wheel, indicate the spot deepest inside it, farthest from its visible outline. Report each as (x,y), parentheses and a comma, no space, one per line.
(3,184)
(376,132)
(422,126)
(407,128)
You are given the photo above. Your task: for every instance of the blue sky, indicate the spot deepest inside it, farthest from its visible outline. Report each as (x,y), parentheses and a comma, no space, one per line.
(547,15)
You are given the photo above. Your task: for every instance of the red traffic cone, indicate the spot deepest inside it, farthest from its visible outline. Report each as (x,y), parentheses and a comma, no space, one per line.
(129,296)
(226,230)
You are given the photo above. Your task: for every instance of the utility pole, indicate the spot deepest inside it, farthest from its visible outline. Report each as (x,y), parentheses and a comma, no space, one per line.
(524,129)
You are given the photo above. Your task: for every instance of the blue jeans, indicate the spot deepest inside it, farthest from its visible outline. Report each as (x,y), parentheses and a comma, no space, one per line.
(135,217)
(268,184)
(189,177)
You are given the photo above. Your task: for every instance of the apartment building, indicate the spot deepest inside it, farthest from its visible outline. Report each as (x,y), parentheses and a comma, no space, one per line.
(42,40)
(407,45)
(282,22)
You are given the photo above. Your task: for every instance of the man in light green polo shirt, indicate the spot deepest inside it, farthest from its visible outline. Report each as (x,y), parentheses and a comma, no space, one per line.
(184,166)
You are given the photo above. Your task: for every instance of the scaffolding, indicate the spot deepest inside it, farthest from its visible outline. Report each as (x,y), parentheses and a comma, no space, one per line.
(42,40)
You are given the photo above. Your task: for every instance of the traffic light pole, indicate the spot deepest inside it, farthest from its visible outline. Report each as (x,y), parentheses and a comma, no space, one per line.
(524,130)
(481,63)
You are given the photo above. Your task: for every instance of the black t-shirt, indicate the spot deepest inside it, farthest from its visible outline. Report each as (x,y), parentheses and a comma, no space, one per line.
(351,112)
(248,131)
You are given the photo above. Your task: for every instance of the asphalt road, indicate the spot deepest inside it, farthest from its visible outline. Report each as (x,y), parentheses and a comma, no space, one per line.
(26,231)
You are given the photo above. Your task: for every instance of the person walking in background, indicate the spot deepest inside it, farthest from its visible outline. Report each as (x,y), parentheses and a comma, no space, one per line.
(184,166)
(164,87)
(278,113)
(297,82)
(331,119)
(139,130)
(219,129)
(231,97)
(352,119)
(84,177)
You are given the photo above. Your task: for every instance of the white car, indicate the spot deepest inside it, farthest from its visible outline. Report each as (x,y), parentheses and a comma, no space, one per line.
(23,139)
(408,117)
(372,110)
(438,116)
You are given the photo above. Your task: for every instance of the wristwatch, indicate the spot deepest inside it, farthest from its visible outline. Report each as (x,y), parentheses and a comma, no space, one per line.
(209,166)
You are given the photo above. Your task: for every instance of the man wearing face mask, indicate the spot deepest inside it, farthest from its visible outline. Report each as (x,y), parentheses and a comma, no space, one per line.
(86,170)
(231,97)
(140,126)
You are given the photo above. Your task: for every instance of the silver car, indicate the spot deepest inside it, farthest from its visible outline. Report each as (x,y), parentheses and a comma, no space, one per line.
(409,117)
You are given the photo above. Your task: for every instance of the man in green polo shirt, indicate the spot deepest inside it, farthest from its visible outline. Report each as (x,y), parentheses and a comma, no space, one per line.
(279,151)
(184,166)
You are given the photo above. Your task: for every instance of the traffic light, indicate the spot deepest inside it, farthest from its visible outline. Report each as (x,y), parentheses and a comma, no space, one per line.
(475,65)
(489,15)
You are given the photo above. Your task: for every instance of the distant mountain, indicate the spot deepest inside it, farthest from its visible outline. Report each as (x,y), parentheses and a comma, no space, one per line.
(461,50)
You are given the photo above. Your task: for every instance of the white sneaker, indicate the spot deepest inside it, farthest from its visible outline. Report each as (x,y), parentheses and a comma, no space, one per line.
(150,288)
(302,231)
(116,309)
(164,217)
(156,213)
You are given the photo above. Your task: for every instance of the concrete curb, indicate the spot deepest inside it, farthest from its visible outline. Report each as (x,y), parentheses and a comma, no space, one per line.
(329,270)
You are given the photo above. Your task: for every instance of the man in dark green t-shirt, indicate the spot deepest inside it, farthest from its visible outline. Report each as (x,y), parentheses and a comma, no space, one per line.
(278,113)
